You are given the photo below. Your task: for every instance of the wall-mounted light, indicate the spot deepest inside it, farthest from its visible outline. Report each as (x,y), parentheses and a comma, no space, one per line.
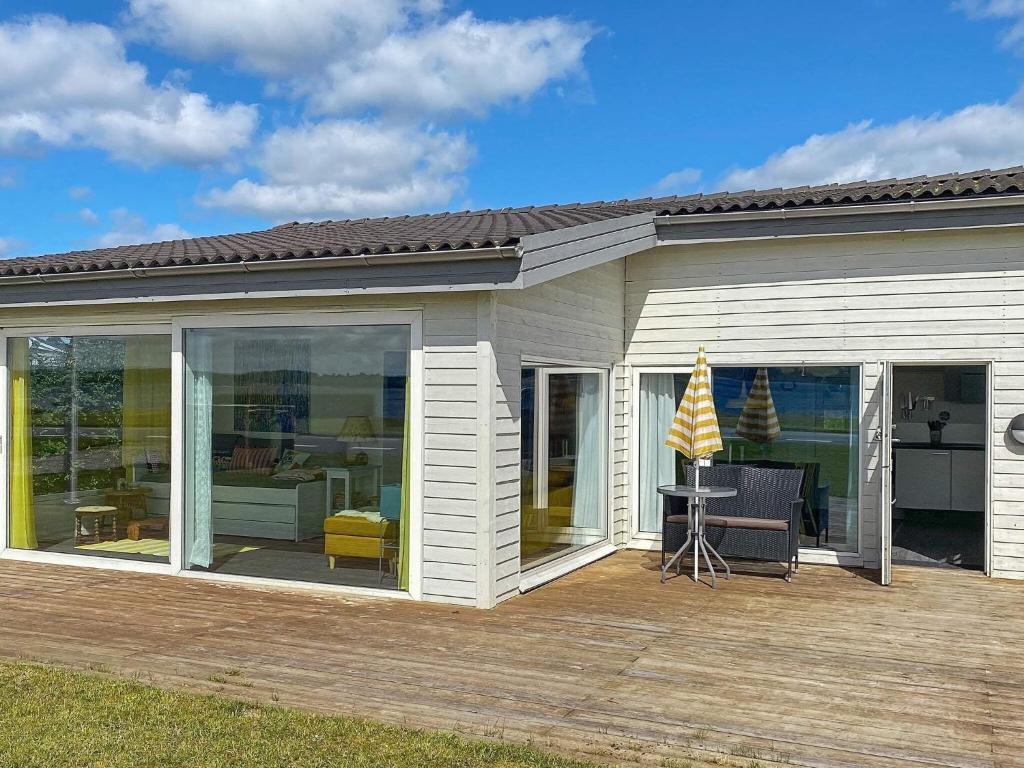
(1017,428)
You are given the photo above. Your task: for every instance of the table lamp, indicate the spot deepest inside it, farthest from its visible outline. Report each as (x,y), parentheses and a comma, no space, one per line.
(355,428)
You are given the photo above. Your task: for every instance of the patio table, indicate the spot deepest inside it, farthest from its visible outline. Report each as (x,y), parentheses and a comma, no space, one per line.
(696,507)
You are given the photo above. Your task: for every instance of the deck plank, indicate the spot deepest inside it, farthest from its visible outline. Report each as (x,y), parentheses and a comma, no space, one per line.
(831,671)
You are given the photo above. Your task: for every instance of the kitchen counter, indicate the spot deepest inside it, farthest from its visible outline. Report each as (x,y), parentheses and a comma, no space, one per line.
(940,446)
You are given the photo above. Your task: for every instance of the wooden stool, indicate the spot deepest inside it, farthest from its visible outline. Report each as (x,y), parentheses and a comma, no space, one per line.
(100,512)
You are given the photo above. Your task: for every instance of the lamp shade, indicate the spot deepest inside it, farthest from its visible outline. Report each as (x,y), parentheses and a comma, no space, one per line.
(356,427)
(1017,428)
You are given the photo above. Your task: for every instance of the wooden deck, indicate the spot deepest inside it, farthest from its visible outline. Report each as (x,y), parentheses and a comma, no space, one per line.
(832,670)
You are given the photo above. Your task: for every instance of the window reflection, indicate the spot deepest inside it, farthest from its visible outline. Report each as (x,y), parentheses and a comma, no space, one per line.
(297,453)
(90,423)
(816,409)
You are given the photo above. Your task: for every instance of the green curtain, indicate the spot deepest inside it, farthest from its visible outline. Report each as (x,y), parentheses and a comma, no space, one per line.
(23,516)
(403,523)
(146,414)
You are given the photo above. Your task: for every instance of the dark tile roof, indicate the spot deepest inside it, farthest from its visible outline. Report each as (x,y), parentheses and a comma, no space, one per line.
(468,230)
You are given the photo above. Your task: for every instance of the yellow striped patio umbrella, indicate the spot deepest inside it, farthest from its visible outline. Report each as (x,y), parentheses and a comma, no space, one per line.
(759,422)
(694,431)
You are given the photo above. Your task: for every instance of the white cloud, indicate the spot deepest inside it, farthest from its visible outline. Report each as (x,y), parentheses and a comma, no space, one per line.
(681,182)
(387,55)
(464,65)
(266,36)
(79,193)
(349,168)
(8,179)
(377,73)
(88,216)
(68,84)
(129,228)
(1011,10)
(978,136)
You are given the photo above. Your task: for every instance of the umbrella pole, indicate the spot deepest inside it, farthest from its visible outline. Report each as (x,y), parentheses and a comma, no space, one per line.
(696,474)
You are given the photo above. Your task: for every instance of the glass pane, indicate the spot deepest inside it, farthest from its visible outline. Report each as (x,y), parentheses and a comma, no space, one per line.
(817,408)
(297,453)
(570,511)
(90,426)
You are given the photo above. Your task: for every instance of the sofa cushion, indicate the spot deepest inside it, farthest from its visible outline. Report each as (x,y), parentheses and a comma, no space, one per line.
(746,523)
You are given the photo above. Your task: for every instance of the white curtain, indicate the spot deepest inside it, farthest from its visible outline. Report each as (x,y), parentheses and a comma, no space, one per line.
(199,534)
(587,491)
(657,461)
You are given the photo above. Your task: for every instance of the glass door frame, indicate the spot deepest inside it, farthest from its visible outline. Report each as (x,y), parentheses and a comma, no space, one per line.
(292,319)
(549,568)
(60,558)
(638,539)
(883,438)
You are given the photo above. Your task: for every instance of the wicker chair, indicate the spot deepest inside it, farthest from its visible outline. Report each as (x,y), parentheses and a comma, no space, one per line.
(814,521)
(761,522)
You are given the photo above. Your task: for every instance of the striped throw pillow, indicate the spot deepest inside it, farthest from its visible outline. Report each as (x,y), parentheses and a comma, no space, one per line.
(252,459)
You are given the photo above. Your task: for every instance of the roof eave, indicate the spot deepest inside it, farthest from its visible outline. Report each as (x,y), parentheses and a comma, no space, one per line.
(259,265)
(864,209)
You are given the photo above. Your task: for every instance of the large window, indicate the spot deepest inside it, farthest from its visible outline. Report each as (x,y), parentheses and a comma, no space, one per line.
(564,487)
(817,410)
(90,437)
(297,451)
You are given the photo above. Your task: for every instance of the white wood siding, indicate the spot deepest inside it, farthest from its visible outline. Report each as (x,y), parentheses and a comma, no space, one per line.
(951,296)
(450,457)
(576,319)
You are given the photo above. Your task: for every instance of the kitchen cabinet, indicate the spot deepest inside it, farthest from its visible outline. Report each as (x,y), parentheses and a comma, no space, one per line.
(939,479)
(922,478)
(968,487)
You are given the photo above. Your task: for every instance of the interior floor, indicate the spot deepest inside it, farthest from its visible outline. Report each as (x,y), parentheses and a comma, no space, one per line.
(938,538)
(143,550)
(537,552)
(241,556)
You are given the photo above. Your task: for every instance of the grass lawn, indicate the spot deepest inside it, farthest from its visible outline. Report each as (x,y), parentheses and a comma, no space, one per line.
(52,717)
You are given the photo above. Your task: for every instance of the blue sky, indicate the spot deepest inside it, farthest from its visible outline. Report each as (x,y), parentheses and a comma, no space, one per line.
(145,120)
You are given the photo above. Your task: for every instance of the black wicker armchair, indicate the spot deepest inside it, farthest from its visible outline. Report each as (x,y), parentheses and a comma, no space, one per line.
(761,522)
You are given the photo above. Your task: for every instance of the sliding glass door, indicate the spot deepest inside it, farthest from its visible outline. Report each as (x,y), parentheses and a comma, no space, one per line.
(564,462)
(297,453)
(90,445)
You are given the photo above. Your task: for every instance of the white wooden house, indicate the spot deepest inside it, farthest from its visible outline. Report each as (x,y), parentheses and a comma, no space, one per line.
(460,407)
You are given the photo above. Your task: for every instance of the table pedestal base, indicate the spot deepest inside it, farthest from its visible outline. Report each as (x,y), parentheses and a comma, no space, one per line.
(698,541)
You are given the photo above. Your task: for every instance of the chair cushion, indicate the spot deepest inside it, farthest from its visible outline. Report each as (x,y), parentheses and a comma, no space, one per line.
(748,523)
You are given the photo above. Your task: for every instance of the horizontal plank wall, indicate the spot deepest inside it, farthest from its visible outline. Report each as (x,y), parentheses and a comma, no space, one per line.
(450,419)
(576,319)
(929,297)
